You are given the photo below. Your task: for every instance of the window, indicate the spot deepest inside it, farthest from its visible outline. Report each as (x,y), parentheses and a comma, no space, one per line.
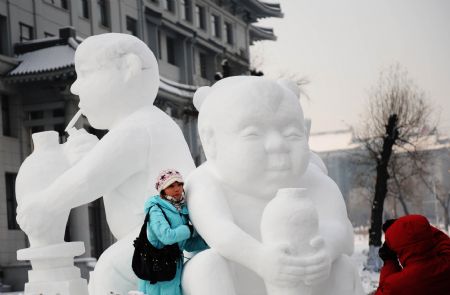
(35,115)
(3,35)
(215,26)
(84,8)
(170,44)
(203,65)
(186,10)
(169,5)
(132,26)
(36,129)
(104,12)
(60,3)
(159,45)
(229,33)
(200,17)
(6,116)
(11,203)
(59,112)
(26,32)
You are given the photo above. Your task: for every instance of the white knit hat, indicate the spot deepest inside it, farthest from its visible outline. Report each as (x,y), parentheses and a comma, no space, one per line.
(166,178)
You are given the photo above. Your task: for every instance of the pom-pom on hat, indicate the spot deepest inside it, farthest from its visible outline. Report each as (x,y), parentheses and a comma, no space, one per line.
(166,178)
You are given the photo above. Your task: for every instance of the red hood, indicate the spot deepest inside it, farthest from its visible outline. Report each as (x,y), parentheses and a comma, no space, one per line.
(411,237)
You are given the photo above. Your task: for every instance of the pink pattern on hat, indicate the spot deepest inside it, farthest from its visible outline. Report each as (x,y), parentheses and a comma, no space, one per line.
(166,178)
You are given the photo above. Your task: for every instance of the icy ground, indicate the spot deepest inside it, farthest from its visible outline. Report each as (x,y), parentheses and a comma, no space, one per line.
(369,279)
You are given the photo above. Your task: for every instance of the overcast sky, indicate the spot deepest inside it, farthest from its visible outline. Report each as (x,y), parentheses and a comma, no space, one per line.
(341,47)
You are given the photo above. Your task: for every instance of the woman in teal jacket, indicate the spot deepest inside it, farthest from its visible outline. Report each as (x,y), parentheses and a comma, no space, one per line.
(159,232)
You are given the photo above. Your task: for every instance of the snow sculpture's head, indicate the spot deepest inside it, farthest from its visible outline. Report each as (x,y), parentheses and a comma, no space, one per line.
(116,75)
(253,133)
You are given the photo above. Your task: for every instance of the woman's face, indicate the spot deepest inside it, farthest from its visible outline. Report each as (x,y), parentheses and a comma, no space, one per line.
(174,190)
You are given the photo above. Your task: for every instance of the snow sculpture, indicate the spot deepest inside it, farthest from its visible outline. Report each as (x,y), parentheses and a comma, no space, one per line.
(253,134)
(117,82)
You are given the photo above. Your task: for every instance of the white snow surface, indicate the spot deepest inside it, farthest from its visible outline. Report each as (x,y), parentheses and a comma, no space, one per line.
(51,58)
(369,279)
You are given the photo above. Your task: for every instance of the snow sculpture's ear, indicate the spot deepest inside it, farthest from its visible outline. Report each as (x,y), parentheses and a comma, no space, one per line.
(132,65)
(291,85)
(208,141)
(200,96)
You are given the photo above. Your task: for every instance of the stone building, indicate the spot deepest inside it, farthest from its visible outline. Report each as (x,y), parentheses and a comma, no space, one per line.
(195,42)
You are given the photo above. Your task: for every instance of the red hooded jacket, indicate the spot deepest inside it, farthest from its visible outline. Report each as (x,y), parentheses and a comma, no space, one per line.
(423,266)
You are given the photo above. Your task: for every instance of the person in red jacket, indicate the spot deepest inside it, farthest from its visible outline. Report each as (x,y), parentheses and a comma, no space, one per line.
(416,258)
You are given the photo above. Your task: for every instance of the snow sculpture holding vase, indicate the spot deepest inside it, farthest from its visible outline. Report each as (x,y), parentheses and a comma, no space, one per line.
(117,82)
(253,134)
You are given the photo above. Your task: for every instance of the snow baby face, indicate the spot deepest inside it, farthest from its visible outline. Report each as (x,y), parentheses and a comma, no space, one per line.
(254,135)
(110,70)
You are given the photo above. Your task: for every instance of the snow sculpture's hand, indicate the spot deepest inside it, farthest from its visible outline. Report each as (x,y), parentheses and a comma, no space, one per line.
(78,144)
(279,267)
(34,216)
(317,266)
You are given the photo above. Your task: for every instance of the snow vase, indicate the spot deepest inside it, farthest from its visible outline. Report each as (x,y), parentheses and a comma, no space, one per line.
(290,219)
(37,172)
(53,270)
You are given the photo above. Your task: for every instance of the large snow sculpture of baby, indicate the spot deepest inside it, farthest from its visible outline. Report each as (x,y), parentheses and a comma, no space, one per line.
(117,82)
(253,134)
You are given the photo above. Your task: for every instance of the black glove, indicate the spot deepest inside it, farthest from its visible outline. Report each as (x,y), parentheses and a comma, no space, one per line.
(191,229)
(386,253)
(387,224)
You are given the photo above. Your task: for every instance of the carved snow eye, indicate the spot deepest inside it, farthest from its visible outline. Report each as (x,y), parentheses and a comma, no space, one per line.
(250,132)
(293,133)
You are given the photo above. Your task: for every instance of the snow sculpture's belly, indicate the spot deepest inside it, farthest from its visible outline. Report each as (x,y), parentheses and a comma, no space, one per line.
(124,205)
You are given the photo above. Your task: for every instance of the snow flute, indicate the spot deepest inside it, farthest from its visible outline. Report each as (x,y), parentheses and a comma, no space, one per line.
(290,219)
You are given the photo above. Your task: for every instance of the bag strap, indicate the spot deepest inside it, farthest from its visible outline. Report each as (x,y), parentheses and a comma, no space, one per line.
(147,216)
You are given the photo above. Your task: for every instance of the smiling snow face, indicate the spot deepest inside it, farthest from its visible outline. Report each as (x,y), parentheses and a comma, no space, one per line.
(253,133)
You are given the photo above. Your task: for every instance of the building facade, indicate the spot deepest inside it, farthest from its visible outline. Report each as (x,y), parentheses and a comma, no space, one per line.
(195,42)
(352,169)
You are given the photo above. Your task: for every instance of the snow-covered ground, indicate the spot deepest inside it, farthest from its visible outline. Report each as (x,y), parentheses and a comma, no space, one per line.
(369,279)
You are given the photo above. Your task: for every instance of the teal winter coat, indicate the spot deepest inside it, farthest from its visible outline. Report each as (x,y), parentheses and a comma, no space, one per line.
(160,233)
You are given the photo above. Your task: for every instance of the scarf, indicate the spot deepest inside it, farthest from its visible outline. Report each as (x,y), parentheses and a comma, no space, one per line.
(176,203)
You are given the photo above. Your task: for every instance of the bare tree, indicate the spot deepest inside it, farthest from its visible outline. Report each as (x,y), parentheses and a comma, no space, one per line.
(398,117)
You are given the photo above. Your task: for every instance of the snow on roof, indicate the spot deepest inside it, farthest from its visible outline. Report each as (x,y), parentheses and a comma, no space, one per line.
(332,141)
(43,60)
(179,89)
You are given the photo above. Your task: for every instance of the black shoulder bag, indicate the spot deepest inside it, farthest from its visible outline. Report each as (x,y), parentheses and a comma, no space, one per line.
(153,264)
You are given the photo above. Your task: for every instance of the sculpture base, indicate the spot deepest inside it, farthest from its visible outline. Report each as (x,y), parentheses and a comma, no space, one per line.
(53,270)
(72,287)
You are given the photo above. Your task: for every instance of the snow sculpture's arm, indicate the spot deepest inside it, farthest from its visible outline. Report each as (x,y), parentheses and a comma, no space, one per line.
(334,225)
(120,154)
(211,215)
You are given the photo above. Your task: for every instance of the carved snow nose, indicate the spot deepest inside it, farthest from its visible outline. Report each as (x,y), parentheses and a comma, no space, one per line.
(275,142)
